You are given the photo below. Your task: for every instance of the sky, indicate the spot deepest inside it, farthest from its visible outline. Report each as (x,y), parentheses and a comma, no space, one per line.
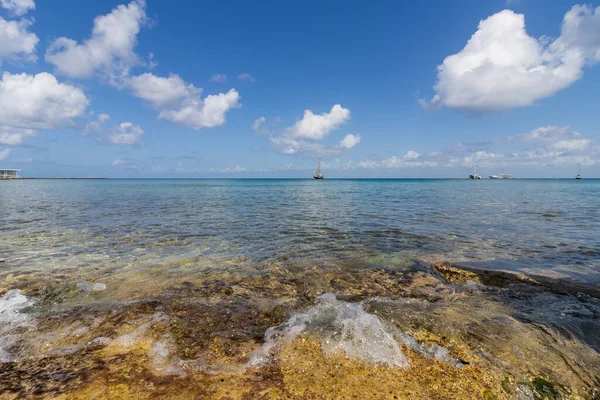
(180,89)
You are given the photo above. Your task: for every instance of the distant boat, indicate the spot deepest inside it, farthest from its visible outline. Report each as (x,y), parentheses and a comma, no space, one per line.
(318,174)
(501,176)
(474,175)
(579,172)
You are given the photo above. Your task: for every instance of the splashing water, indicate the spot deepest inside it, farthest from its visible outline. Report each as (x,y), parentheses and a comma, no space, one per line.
(164,362)
(341,327)
(12,319)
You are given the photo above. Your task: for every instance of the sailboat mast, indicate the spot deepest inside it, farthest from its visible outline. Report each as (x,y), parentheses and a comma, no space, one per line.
(318,168)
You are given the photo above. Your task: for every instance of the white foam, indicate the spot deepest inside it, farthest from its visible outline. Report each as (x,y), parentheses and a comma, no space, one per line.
(433,350)
(341,327)
(164,362)
(91,287)
(12,320)
(139,334)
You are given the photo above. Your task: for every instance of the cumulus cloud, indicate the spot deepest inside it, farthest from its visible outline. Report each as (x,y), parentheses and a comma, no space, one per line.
(305,135)
(15,136)
(110,48)
(411,155)
(4,153)
(198,113)
(117,162)
(317,127)
(244,76)
(502,67)
(18,7)
(181,103)
(218,78)
(16,42)
(161,92)
(97,125)
(126,134)
(39,101)
(349,141)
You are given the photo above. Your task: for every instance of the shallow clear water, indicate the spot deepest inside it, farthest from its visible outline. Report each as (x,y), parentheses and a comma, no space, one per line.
(252,288)
(535,226)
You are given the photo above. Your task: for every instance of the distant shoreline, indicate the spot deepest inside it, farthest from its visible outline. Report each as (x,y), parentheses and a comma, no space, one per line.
(24,178)
(298,179)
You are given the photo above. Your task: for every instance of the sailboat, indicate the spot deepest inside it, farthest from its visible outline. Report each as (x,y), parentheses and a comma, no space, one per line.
(318,174)
(579,172)
(474,175)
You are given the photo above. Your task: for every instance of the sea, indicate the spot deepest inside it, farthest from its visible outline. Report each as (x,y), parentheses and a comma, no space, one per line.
(251,288)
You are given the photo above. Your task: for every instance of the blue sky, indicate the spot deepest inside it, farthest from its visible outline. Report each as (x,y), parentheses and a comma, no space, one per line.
(261,89)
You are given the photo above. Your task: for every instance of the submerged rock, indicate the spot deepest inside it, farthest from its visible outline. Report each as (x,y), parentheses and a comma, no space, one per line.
(91,287)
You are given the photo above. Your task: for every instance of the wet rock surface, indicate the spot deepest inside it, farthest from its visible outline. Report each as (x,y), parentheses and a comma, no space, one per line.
(383,327)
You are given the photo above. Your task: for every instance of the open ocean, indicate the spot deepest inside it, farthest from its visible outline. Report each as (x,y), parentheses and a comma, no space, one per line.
(202,279)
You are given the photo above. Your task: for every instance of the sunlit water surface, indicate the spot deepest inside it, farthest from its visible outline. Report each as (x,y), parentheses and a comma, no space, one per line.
(188,278)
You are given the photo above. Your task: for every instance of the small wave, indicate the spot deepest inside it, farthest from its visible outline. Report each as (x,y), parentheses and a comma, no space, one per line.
(12,319)
(341,327)
(164,361)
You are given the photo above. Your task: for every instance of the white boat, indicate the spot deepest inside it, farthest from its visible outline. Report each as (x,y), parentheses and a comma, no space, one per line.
(579,172)
(474,175)
(318,174)
(503,175)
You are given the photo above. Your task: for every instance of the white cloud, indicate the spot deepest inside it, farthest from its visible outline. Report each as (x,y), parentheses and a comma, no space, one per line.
(244,76)
(237,168)
(257,123)
(16,42)
(198,113)
(408,161)
(39,101)
(542,147)
(349,141)
(162,92)
(97,125)
(180,102)
(305,134)
(571,145)
(4,153)
(555,138)
(411,155)
(317,127)
(483,158)
(218,78)
(502,67)
(126,133)
(15,136)
(18,7)
(390,163)
(109,50)
(117,162)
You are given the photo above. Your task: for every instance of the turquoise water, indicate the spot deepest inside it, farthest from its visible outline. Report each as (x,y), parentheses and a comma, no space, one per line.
(205,284)
(533,226)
